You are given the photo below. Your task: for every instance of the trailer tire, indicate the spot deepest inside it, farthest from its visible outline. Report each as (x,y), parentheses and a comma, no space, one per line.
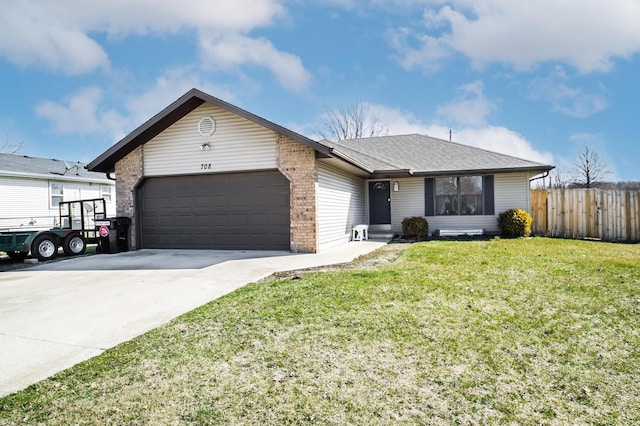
(74,245)
(44,247)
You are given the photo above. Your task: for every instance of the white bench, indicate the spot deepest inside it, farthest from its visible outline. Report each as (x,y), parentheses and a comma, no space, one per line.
(360,233)
(460,232)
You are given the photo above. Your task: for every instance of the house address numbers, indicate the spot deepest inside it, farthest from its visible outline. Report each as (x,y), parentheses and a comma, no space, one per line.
(205,166)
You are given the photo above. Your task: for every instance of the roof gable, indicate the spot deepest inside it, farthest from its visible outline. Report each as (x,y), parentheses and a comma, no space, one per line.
(171,114)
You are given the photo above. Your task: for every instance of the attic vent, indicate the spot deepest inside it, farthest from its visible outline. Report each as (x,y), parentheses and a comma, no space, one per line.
(206,126)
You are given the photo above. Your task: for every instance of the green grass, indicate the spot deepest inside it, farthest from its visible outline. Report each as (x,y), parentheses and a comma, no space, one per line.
(527,331)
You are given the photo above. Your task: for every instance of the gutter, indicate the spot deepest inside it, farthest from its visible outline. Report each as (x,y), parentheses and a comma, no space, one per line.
(484,171)
(53,176)
(396,173)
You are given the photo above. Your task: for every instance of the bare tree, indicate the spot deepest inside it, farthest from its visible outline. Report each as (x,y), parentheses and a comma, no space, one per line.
(9,147)
(356,121)
(558,179)
(590,168)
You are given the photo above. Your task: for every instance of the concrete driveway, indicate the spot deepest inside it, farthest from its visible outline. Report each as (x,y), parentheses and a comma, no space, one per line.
(54,315)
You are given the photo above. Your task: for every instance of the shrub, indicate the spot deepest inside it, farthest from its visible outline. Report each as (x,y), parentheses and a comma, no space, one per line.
(515,223)
(415,227)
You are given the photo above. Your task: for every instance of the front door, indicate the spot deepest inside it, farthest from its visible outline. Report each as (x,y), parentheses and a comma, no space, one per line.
(379,203)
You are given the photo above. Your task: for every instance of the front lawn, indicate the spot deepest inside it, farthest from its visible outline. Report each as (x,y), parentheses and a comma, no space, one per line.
(528,331)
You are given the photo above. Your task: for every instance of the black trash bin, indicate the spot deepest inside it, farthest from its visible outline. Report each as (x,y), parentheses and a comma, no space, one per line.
(117,239)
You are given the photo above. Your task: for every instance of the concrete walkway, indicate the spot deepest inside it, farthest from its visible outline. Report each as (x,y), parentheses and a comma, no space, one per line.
(55,315)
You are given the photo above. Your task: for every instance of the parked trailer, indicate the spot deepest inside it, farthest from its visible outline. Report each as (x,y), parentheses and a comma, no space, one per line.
(77,229)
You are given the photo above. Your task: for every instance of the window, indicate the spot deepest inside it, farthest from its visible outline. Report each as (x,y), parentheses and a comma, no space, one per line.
(447,196)
(105,192)
(55,189)
(470,194)
(459,195)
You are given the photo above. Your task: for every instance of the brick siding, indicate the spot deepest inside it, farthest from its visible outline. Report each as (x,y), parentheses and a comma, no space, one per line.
(297,163)
(129,172)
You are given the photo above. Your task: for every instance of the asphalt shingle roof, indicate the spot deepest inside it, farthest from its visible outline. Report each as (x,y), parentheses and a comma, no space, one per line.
(26,165)
(421,154)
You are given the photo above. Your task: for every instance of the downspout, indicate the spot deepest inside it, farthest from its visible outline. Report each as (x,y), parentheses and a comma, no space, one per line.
(109,176)
(544,175)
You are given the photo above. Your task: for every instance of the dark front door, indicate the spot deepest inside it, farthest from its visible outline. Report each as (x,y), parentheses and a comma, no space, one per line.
(379,203)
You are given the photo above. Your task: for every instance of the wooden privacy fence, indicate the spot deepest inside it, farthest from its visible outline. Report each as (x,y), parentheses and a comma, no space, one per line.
(612,215)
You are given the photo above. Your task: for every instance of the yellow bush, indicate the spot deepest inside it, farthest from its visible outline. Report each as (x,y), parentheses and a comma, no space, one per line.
(515,223)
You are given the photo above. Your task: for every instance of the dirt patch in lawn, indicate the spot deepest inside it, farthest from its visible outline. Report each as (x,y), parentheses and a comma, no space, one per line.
(385,255)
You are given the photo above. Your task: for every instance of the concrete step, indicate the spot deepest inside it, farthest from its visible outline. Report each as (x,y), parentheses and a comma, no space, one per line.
(380,236)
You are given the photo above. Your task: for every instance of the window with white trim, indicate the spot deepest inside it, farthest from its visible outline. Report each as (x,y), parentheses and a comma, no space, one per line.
(105,192)
(56,193)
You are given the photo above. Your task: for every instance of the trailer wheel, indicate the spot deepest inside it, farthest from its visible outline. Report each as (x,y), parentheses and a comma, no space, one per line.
(44,247)
(74,245)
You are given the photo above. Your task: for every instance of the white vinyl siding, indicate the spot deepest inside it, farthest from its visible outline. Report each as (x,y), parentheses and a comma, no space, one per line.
(236,145)
(407,201)
(26,203)
(340,205)
(511,191)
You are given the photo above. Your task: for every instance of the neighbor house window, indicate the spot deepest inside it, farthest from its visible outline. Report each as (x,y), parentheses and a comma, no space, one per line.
(105,192)
(459,195)
(55,189)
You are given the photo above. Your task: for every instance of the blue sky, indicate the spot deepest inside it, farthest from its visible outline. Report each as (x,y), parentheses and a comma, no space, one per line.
(536,79)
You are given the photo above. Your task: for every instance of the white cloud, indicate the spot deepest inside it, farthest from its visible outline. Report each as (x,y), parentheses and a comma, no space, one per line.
(32,36)
(167,88)
(230,51)
(86,113)
(471,108)
(58,34)
(160,16)
(503,140)
(429,55)
(568,100)
(81,113)
(399,121)
(587,34)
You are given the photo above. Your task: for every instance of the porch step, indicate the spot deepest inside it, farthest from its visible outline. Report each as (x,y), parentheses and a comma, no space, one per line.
(380,235)
(380,232)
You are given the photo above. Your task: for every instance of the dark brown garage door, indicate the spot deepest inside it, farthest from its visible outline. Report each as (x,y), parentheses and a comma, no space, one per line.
(227,211)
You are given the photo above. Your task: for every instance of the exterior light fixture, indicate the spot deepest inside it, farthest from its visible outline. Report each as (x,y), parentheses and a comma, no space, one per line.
(205,146)
(396,186)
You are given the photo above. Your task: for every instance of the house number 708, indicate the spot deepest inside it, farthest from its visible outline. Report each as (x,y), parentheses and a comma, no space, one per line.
(205,166)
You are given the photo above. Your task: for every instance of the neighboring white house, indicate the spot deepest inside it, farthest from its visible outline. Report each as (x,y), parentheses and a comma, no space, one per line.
(203,173)
(31,188)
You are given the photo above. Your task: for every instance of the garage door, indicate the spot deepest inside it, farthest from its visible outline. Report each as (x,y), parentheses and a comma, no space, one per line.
(226,211)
